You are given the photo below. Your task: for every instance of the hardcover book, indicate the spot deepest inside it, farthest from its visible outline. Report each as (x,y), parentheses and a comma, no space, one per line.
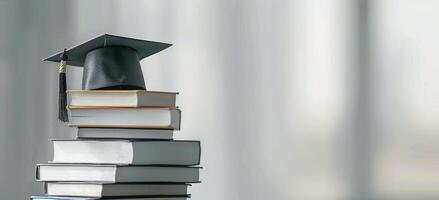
(45,197)
(124,133)
(90,189)
(121,98)
(116,173)
(142,117)
(139,152)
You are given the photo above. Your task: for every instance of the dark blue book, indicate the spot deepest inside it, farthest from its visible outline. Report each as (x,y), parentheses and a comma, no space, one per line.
(45,197)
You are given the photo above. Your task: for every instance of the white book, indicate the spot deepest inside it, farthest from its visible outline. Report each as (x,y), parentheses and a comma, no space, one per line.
(126,133)
(116,173)
(142,117)
(121,98)
(90,189)
(139,152)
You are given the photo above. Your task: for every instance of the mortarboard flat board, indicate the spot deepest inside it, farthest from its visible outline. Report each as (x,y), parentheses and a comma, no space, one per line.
(78,53)
(110,63)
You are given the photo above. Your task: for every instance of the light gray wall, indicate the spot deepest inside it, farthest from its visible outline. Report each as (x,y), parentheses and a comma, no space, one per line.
(315,99)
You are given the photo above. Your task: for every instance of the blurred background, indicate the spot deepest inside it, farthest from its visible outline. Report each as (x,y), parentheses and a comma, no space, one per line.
(294,99)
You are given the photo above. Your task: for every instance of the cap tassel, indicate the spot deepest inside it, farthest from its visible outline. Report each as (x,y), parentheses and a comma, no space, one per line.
(62,110)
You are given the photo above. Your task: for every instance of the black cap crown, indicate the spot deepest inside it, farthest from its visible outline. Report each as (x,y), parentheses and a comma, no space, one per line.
(111,62)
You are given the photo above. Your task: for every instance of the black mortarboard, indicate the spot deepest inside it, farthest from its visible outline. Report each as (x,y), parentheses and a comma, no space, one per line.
(110,62)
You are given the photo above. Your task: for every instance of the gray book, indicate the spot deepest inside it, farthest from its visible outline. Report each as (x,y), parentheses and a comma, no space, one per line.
(116,173)
(136,152)
(121,98)
(90,189)
(115,117)
(125,133)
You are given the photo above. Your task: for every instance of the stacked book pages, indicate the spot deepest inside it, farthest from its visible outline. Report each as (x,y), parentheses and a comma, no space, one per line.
(124,149)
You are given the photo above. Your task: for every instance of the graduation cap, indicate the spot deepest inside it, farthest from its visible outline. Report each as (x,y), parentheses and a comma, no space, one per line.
(110,63)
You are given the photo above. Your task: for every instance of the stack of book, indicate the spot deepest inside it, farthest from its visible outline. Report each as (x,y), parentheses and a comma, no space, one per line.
(124,149)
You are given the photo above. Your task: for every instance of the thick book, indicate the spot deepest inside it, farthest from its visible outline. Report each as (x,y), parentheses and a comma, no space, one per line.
(136,152)
(116,173)
(47,197)
(113,190)
(121,98)
(113,117)
(125,133)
